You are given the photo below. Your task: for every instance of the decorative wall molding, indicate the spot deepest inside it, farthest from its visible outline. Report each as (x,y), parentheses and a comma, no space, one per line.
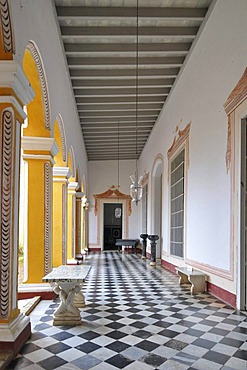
(64,224)
(236,97)
(31,46)
(238,94)
(7,33)
(63,136)
(6,186)
(112,193)
(48,218)
(180,136)
(72,154)
(211,269)
(145,178)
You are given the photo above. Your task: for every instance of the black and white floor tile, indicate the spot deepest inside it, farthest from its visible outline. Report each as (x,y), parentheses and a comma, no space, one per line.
(138,317)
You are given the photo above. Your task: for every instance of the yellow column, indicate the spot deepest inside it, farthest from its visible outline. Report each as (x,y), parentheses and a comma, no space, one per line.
(84,223)
(78,233)
(72,187)
(39,153)
(60,191)
(14,92)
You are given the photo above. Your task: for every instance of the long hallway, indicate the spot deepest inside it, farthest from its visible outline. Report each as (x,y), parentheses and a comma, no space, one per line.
(138,317)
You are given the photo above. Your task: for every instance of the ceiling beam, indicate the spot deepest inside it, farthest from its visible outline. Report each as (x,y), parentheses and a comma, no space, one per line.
(77,31)
(117,107)
(94,120)
(76,12)
(124,92)
(118,83)
(79,48)
(123,72)
(109,61)
(119,100)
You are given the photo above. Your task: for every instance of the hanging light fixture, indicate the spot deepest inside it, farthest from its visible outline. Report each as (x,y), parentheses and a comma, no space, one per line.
(135,187)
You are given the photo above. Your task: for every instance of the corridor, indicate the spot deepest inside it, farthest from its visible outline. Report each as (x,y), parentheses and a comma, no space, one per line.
(138,317)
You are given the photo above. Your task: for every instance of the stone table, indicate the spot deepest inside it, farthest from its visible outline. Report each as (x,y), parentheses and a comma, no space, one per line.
(67,282)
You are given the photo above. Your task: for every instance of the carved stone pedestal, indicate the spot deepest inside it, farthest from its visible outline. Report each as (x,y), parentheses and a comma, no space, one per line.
(144,245)
(153,239)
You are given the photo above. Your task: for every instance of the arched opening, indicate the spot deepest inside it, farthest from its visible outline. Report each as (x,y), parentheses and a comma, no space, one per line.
(38,150)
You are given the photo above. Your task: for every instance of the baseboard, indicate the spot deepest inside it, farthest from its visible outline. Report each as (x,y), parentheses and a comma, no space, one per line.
(49,296)
(168,266)
(94,249)
(222,294)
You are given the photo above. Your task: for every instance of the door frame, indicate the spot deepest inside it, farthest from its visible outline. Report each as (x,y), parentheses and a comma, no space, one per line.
(243,220)
(237,248)
(125,223)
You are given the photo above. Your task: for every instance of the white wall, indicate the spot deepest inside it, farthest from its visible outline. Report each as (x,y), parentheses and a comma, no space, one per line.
(34,20)
(102,175)
(213,69)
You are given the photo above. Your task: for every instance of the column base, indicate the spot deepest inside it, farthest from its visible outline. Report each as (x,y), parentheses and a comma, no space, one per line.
(66,321)
(13,335)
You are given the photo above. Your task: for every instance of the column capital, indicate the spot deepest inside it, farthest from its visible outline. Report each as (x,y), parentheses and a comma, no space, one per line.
(79,195)
(73,186)
(12,76)
(61,172)
(39,144)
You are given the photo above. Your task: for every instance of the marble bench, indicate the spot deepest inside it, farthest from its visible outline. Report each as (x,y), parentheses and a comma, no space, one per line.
(195,277)
(67,282)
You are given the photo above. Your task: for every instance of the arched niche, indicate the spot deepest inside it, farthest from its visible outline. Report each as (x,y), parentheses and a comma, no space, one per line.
(157,201)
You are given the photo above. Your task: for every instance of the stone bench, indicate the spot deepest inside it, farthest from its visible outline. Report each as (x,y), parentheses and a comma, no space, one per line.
(67,282)
(195,277)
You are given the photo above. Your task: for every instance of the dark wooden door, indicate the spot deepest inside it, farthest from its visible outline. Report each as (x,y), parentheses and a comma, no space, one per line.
(112,224)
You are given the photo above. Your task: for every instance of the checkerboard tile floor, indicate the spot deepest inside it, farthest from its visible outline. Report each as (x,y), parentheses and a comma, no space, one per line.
(138,317)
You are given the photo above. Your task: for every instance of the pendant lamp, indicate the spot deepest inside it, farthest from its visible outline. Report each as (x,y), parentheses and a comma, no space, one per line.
(136,187)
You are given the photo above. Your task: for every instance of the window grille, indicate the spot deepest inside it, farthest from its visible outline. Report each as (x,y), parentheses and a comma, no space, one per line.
(177,205)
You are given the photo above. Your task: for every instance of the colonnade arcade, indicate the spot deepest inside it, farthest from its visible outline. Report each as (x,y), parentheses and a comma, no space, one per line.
(54,212)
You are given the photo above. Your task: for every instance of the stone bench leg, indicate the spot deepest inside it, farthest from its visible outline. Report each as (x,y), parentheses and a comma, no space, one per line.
(79,300)
(197,284)
(67,313)
(183,279)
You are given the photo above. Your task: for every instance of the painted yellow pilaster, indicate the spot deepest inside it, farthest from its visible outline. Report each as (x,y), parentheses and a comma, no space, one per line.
(78,233)
(60,191)
(84,223)
(39,153)
(72,187)
(14,93)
